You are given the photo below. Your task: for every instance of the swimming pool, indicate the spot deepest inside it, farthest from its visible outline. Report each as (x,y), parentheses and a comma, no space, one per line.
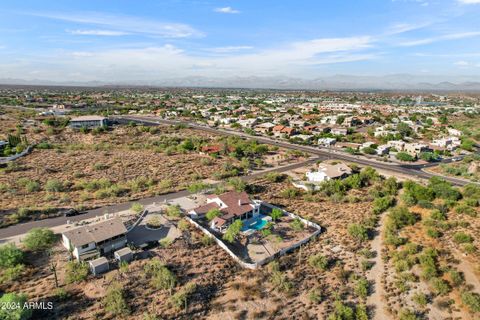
(256,223)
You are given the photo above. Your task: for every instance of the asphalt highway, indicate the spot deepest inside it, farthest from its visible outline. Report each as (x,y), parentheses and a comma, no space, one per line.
(406,169)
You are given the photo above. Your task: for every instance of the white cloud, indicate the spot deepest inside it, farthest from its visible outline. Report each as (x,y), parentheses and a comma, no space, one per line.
(97,33)
(127,24)
(469,1)
(452,36)
(229,49)
(229,10)
(151,63)
(461,63)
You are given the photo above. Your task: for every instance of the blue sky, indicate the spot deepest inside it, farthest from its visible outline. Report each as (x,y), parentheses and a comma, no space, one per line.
(127,40)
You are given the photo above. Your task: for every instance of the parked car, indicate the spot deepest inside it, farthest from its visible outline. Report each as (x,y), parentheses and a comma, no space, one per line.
(71,213)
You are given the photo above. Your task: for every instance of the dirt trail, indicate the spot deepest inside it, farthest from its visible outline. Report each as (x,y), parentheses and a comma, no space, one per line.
(375,276)
(468,271)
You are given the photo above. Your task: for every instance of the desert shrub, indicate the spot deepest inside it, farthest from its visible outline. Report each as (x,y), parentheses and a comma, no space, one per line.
(32,186)
(100,166)
(162,278)
(382,204)
(197,187)
(276,214)
(433,233)
(165,184)
(358,232)
(165,243)
(456,278)
(237,184)
(361,312)
(174,211)
(361,288)
(438,215)
(464,208)
(400,217)
(341,312)
(183,225)
(10,256)
(315,296)
(54,185)
(367,265)
(469,248)
(403,156)
(471,190)
(136,207)
(11,273)
(14,313)
(406,314)
(461,237)
(76,271)
(141,183)
(206,240)
(318,262)
(154,222)
(439,286)
(443,189)
(297,224)
(280,281)
(180,299)
(43,145)
(39,239)
(94,184)
(289,193)
(274,177)
(233,231)
(115,302)
(471,300)
(428,263)
(415,192)
(420,299)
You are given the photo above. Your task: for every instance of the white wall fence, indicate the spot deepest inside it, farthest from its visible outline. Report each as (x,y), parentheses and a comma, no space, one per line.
(260,263)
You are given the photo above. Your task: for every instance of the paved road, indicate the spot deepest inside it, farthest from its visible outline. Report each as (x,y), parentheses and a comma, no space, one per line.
(53,222)
(406,169)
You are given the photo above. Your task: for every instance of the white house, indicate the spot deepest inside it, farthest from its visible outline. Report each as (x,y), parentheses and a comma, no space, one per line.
(328,172)
(326,142)
(383,149)
(339,131)
(454,132)
(399,145)
(95,239)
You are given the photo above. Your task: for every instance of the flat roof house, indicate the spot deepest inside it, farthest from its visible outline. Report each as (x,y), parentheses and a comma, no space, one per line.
(88,122)
(95,239)
(232,205)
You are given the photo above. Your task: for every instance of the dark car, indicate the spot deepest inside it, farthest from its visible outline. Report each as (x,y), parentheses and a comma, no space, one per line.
(71,213)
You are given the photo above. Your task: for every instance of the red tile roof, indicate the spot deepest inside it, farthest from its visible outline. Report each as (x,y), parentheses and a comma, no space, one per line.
(205,208)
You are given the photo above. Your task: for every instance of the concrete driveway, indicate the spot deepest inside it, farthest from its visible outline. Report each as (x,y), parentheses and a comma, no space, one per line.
(141,234)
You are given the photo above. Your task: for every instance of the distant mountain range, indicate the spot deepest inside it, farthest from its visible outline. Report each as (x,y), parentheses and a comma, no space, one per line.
(337,82)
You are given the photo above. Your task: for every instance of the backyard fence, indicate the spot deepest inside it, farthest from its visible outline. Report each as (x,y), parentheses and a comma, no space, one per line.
(260,263)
